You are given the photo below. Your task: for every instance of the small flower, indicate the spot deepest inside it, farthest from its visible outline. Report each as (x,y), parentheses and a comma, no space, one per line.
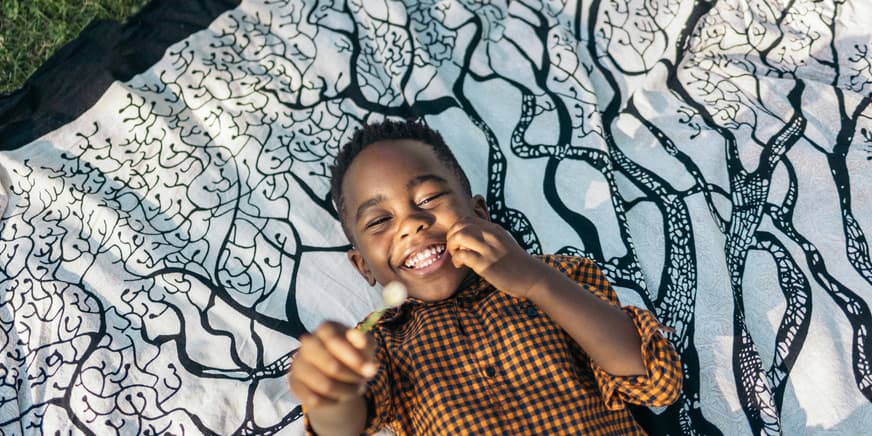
(394,294)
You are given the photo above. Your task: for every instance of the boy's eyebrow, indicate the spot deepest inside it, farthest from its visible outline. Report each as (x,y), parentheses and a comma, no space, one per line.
(374,201)
(423,178)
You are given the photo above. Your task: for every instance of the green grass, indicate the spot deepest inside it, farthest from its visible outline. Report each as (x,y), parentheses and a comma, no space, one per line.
(32,30)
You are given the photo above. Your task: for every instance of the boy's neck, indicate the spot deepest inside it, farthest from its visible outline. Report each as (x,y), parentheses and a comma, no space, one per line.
(470,279)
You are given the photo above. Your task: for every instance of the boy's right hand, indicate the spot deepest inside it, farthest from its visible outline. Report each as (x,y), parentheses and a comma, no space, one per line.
(332,366)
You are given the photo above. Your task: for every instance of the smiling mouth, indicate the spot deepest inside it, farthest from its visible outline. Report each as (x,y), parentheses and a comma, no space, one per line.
(424,258)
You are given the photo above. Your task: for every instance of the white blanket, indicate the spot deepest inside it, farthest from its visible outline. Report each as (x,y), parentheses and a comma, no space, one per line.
(161,254)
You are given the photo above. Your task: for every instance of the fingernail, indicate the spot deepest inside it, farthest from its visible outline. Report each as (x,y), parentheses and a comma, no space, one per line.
(369,369)
(356,338)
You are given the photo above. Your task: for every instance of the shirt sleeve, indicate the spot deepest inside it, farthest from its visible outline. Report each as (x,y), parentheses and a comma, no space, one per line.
(380,411)
(662,381)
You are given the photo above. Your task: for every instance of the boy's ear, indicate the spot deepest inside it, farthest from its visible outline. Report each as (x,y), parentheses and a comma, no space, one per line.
(359,263)
(479,205)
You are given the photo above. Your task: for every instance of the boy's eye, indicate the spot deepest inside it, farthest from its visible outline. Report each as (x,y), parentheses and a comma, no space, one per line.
(429,199)
(376,222)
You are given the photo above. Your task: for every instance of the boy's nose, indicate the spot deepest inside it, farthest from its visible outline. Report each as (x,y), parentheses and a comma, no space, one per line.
(413,224)
(420,227)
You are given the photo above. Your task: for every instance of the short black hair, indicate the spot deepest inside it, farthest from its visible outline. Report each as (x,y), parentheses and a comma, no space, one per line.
(369,134)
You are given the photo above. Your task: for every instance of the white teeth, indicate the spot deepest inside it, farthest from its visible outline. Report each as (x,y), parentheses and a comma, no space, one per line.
(425,257)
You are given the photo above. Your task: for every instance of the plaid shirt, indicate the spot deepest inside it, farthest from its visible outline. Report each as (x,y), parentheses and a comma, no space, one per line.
(484,362)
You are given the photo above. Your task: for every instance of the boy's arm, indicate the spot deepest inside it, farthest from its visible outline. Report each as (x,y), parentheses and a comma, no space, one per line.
(628,354)
(604,331)
(660,383)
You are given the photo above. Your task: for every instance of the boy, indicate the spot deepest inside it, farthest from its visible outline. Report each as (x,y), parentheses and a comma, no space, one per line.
(492,340)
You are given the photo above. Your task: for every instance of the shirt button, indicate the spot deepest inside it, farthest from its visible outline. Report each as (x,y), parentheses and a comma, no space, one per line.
(490,371)
(531,312)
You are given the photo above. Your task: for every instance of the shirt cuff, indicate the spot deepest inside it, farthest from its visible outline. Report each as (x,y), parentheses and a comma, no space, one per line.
(378,395)
(376,419)
(661,383)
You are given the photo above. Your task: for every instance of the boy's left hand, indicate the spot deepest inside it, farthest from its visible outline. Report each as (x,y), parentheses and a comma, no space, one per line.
(490,251)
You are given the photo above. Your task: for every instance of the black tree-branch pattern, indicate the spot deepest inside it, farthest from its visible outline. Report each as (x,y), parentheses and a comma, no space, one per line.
(161,254)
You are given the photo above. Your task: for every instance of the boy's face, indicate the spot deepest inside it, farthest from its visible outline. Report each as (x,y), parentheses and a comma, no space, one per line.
(400,201)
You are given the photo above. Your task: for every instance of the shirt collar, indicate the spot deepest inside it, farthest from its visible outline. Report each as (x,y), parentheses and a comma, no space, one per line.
(472,289)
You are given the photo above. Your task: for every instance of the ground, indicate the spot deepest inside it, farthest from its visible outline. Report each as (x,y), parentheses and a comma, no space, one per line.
(32,30)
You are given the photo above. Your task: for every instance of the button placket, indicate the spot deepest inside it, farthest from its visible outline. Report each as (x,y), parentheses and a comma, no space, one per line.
(490,371)
(484,353)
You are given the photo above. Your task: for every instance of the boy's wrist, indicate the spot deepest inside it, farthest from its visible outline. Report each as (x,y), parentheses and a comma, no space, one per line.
(339,418)
(544,280)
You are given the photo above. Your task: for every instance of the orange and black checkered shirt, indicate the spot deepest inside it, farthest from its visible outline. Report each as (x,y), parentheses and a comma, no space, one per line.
(484,362)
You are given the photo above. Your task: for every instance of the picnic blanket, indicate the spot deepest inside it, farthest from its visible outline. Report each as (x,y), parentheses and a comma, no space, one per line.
(169,235)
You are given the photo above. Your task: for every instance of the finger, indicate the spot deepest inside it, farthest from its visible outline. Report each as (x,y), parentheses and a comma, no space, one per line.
(475,240)
(462,224)
(316,380)
(467,239)
(455,251)
(335,340)
(317,355)
(311,378)
(357,338)
(499,236)
(309,397)
(469,258)
(362,342)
